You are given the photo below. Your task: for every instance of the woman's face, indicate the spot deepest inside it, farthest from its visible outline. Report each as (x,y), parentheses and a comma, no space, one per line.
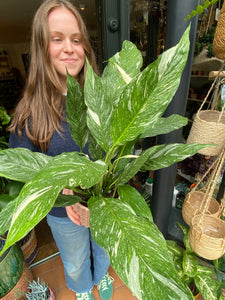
(65,46)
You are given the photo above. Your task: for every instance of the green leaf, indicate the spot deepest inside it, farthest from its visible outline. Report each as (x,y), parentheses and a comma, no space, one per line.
(147,96)
(94,149)
(131,196)
(66,200)
(76,112)
(163,156)
(174,250)
(124,155)
(4,200)
(6,216)
(165,125)
(21,164)
(206,284)
(132,168)
(38,196)
(100,109)
(137,250)
(189,264)
(121,68)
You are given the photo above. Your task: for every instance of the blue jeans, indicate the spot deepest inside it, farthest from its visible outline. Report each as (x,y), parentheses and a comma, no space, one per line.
(85,262)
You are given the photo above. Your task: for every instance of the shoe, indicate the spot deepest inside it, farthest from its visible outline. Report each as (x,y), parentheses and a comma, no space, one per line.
(105,287)
(84,296)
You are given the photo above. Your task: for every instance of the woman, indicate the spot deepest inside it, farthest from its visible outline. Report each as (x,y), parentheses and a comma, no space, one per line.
(59,42)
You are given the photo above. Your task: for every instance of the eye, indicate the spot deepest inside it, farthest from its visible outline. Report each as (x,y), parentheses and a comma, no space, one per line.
(56,39)
(76,41)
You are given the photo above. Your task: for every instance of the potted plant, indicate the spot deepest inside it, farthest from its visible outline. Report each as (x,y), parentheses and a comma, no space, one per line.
(201,277)
(14,273)
(112,113)
(39,290)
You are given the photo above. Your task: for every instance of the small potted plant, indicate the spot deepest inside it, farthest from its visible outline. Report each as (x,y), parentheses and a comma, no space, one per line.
(39,290)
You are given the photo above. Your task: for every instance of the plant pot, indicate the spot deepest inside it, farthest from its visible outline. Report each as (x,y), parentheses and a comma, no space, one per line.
(219,40)
(207,236)
(192,205)
(199,297)
(83,212)
(29,246)
(11,268)
(20,289)
(208,128)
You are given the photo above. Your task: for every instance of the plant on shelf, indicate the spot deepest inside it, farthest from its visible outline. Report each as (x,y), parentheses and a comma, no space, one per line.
(200,8)
(196,273)
(39,290)
(112,113)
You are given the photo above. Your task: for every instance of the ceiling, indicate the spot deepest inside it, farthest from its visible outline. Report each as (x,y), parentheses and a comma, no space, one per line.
(16,17)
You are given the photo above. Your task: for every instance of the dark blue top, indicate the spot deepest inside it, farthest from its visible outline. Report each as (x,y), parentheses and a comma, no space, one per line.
(58,144)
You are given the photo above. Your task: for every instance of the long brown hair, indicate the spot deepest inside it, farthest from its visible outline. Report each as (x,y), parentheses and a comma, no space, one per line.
(41,107)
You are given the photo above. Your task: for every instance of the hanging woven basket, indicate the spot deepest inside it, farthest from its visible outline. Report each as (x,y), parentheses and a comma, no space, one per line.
(207,236)
(192,205)
(219,37)
(208,128)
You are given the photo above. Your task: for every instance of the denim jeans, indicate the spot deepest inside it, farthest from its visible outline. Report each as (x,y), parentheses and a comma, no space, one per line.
(85,262)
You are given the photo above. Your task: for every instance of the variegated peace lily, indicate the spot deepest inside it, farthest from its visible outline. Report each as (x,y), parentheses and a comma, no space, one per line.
(112,113)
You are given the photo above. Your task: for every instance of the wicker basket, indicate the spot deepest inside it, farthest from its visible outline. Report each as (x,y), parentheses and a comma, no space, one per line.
(192,205)
(207,236)
(219,37)
(208,128)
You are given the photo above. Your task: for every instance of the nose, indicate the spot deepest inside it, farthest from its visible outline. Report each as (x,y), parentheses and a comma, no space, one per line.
(68,47)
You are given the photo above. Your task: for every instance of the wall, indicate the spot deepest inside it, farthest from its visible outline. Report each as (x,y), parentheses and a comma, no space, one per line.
(15,52)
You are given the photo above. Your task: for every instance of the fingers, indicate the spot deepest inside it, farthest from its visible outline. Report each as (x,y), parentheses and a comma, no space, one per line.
(74,217)
(67,192)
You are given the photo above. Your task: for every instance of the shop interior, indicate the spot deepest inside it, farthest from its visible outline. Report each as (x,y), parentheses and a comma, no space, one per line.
(15,22)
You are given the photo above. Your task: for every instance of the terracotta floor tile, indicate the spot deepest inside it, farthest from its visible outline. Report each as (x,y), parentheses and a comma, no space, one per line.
(122,293)
(43,267)
(60,277)
(57,261)
(118,282)
(65,294)
(49,278)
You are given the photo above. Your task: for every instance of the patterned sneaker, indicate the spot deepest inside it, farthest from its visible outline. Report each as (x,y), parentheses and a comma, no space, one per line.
(105,287)
(84,296)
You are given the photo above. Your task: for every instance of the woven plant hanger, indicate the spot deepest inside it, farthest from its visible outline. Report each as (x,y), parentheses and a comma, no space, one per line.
(207,232)
(219,37)
(209,126)
(194,199)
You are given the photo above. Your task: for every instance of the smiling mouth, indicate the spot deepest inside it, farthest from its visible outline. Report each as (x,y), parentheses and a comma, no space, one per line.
(69,60)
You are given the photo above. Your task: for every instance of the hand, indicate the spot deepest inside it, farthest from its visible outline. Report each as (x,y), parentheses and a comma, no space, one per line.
(71,213)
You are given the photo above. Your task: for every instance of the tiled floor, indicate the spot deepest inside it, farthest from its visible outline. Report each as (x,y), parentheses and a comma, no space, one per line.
(52,273)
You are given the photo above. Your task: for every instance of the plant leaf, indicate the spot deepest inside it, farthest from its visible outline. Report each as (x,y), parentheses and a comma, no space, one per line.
(137,250)
(132,168)
(146,97)
(165,125)
(131,196)
(66,200)
(4,200)
(206,284)
(121,68)
(21,164)
(94,149)
(100,109)
(6,216)
(38,196)
(76,112)
(163,156)
(189,264)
